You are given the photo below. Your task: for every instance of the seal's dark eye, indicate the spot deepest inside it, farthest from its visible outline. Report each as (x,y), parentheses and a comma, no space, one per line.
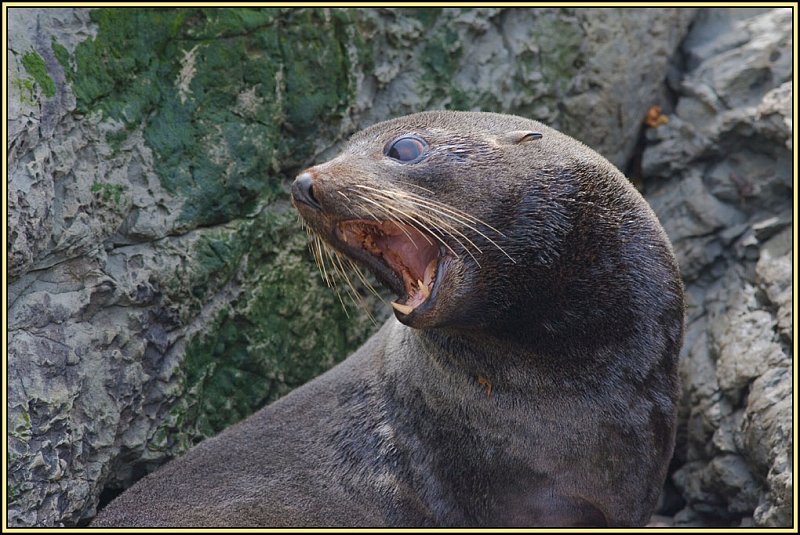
(406,149)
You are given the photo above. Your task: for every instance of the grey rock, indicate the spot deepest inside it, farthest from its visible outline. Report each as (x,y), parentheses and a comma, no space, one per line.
(714,32)
(744,342)
(584,71)
(726,206)
(774,276)
(750,58)
(692,216)
(767,431)
(768,227)
(678,144)
(616,61)
(725,488)
(774,115)
(733,480)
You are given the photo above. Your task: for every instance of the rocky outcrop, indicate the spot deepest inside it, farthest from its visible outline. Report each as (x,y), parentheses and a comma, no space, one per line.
(160,286)
(719,176)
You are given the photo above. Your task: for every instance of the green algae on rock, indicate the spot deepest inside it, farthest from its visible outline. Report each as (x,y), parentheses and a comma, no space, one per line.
(36,68)
(216,91)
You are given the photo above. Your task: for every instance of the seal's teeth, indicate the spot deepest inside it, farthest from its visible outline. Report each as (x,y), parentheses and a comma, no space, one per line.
(403,309)
(430,271)
(423,288)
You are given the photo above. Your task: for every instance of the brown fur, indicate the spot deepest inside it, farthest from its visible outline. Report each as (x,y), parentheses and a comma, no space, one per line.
(578,340)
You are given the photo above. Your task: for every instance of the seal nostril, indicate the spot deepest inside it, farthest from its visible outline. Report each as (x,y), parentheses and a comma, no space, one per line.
(311,194)
(303,190)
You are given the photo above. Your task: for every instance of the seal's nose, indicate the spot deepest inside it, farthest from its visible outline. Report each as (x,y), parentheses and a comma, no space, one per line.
(303,190)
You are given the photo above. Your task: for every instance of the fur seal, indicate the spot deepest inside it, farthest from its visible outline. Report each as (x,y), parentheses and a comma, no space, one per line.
(528,377)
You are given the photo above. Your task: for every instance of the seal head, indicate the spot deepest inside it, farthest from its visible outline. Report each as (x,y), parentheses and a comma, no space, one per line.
(411,200)
(486,221)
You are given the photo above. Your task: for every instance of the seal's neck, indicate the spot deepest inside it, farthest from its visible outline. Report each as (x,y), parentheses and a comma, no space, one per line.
(453,355)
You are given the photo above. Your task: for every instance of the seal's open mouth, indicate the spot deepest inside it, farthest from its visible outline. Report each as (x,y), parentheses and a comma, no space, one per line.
(406,259)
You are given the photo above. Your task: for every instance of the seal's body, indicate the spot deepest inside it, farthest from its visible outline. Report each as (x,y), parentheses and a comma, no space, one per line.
(528,379)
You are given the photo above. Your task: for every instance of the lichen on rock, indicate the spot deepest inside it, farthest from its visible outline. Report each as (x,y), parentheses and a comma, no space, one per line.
(35,67)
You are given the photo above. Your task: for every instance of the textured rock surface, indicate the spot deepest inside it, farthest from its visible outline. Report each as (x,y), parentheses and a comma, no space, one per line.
(584,71)
(160,287)
(719,176)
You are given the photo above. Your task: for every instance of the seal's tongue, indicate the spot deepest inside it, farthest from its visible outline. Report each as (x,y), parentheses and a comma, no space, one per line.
(412,255)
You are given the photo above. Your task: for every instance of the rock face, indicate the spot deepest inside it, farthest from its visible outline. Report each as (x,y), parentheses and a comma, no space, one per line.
(719,176)
(160,287)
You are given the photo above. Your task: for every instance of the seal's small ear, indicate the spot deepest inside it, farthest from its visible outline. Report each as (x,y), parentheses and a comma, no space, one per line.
(518,136)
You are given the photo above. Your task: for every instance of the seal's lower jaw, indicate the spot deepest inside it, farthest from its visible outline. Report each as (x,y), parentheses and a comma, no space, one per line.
(404,258)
